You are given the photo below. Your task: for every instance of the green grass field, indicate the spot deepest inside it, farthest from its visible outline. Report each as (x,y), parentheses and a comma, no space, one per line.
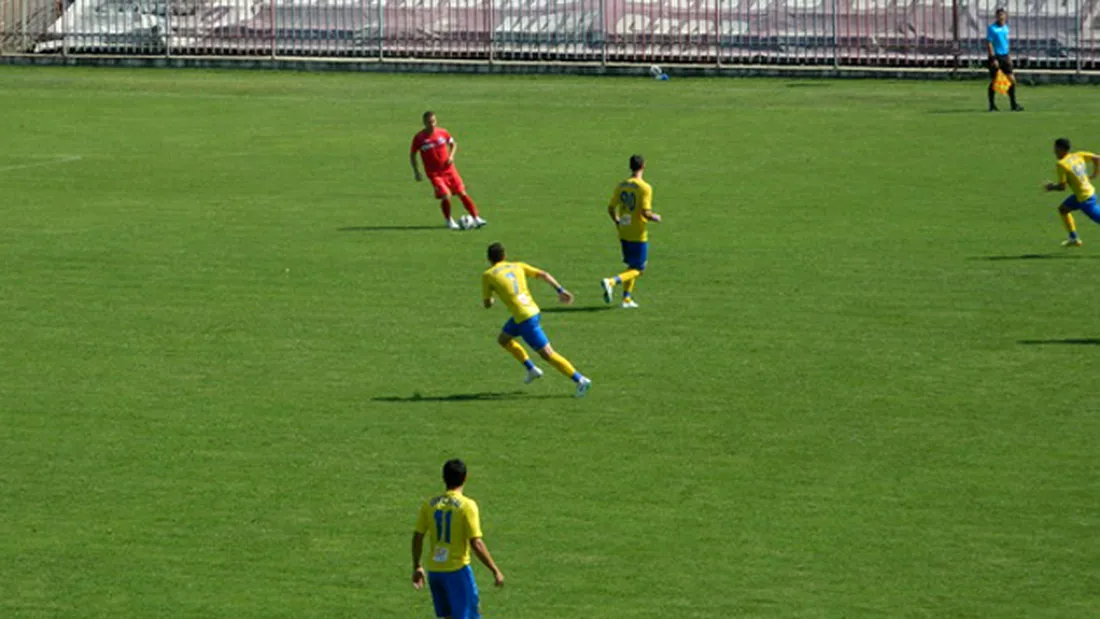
(237,345)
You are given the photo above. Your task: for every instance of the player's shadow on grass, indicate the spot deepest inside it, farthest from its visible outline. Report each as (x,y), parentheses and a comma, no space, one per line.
(390,228)
(482,396)
(1039,257)
(1076,341)
(966,110)
(561,309)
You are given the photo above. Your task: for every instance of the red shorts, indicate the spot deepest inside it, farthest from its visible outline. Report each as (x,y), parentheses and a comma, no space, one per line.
(447,183)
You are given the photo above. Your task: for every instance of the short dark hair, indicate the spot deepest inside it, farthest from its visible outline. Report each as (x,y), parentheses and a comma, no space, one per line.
(496,253)
(1062,144)
(999,11)
(454,473)
(427,114)
(636,162)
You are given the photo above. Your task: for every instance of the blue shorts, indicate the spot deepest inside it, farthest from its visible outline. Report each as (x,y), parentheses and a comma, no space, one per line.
(455,594)
(530,330)
(1088,207)
(635,254)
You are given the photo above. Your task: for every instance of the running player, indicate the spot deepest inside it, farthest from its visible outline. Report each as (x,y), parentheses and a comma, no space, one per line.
(508,280)
(1072,172)
(631,209)
(452,523)
(437,148)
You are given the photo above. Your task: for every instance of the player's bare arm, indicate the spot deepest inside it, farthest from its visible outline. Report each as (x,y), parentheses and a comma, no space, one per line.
(992,56)
(418,576)
(415,166)
(611,214)
(452,148)
(1095,166)
(564,295)
(487,303)
(483,555)
(651,216)
(1055,187)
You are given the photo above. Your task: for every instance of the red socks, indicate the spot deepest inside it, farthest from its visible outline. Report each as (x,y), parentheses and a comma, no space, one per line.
(445,204)
(471,208)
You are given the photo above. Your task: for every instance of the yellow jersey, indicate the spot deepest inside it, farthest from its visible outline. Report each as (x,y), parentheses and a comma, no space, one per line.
(449,521)
(509,281)
(1073,171)
(632,201)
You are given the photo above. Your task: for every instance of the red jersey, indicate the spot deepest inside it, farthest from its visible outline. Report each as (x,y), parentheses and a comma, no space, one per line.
(433,150)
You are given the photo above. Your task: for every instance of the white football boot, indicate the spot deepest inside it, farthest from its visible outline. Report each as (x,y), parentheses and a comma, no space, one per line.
(583,385)
(608,286)
(532,375)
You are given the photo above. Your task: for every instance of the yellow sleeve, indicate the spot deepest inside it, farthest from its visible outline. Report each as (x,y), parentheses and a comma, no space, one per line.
(473,519)
(646,196)
(529,270)
(486,286)
(424,519)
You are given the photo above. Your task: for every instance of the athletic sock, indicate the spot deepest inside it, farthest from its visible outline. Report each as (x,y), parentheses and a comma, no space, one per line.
(445,205)
(628,287)
(1071,226)
(471,208)
(562,364)
(992,96)
(577,376)
(530,365)
(1012,94)
(517,351)
(627,276)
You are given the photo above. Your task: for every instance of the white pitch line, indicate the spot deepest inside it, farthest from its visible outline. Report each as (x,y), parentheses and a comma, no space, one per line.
(57,160)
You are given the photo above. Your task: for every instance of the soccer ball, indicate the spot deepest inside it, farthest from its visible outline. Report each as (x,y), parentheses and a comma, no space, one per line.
(467,222)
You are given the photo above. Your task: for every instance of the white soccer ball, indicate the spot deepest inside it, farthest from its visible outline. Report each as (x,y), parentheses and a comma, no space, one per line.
(467,222)
(655,71)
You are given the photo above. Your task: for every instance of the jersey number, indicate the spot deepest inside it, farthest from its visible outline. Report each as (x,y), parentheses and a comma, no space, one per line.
(627,199)
(443,526)
(515,282)
(1079,171)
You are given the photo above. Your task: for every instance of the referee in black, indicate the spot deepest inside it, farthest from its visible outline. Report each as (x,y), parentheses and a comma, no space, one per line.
(996,39)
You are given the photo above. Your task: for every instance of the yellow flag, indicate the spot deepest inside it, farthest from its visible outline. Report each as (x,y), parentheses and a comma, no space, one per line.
(1001,83)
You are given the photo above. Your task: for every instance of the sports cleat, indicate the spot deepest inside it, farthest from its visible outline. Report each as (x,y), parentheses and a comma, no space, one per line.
(629,304)
(532,375)
(583,385)
(452,225)
(1017,108)
(1072,243)
(993,108)
(479,222)
(608,290)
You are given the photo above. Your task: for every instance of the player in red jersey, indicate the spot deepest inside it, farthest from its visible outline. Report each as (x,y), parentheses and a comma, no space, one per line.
(437,148)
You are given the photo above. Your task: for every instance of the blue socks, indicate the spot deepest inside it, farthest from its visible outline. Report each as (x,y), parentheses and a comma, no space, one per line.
(530,365)
(577,376)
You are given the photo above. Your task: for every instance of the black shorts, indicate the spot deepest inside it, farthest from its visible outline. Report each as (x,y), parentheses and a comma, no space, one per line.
(1004,64)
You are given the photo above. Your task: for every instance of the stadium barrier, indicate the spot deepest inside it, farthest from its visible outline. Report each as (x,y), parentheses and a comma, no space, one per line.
(1047,34)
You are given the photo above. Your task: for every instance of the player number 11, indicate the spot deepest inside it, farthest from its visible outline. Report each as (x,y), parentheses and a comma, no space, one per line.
(443,526)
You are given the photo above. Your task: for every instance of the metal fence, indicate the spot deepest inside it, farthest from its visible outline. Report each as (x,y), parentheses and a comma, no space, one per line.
(1048,34)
